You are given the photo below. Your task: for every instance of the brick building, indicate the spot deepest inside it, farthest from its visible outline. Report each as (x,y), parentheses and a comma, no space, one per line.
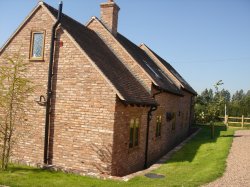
(116,107)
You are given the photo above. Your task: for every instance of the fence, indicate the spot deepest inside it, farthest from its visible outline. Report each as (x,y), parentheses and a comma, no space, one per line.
(236,120)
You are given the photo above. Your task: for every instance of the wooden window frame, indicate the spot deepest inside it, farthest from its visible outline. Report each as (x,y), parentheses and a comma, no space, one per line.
(134,143)
(32,45)
(158,126)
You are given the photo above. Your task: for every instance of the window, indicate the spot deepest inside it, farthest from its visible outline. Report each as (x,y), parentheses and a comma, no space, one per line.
(37,45)
(173,121)
(134,133)
(166,76)
(156,74)
(158,126)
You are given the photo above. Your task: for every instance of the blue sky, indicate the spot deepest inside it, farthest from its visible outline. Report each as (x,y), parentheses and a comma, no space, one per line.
(205,40)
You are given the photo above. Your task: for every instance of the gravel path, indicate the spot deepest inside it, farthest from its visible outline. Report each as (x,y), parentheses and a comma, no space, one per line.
(237,173)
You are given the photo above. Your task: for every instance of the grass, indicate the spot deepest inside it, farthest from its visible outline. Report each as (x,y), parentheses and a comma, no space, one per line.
(200,161)
(238,125)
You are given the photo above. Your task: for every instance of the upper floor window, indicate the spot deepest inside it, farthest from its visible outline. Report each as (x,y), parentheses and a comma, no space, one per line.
(158,126)
(37,45)
(134,132)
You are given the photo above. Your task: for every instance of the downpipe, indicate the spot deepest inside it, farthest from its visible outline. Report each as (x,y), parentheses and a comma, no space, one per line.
(49,86)
(149,118)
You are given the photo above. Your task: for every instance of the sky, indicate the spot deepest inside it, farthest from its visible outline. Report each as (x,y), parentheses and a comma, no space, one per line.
(204,40)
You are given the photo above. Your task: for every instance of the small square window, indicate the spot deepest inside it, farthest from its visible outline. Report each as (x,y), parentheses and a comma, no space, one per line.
(37,45)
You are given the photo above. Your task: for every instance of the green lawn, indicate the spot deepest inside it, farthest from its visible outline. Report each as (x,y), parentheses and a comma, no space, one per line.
(201,160)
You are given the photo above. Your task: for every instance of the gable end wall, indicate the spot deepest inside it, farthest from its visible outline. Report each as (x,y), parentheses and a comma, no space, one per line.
(82,107)
(121,53)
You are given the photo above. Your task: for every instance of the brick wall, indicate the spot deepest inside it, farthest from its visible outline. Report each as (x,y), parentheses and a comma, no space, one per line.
(188,96)
(84,114)
(127,160)
(158,146)
(29,147)
(82,107)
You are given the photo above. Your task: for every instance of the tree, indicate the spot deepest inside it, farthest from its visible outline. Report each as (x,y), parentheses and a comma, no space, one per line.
(238,96)
(214,109)
(14,91)
(237,106)
(226,96)
(207,107)
(248,93)
(206,96)
(240,104)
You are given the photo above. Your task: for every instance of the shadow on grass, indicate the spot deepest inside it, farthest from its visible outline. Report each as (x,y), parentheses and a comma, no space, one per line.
(234,136)
(16,169)
(189,151)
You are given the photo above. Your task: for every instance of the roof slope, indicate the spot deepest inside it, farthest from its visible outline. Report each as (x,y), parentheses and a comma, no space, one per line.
(185,84)
(127,85)
(161,80)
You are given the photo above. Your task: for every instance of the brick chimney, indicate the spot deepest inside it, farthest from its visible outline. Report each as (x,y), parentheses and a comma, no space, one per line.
(109,15)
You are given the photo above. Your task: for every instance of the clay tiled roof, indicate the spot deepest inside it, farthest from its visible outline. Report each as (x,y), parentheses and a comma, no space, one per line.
(120,77)
(185,84)
(160,79)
